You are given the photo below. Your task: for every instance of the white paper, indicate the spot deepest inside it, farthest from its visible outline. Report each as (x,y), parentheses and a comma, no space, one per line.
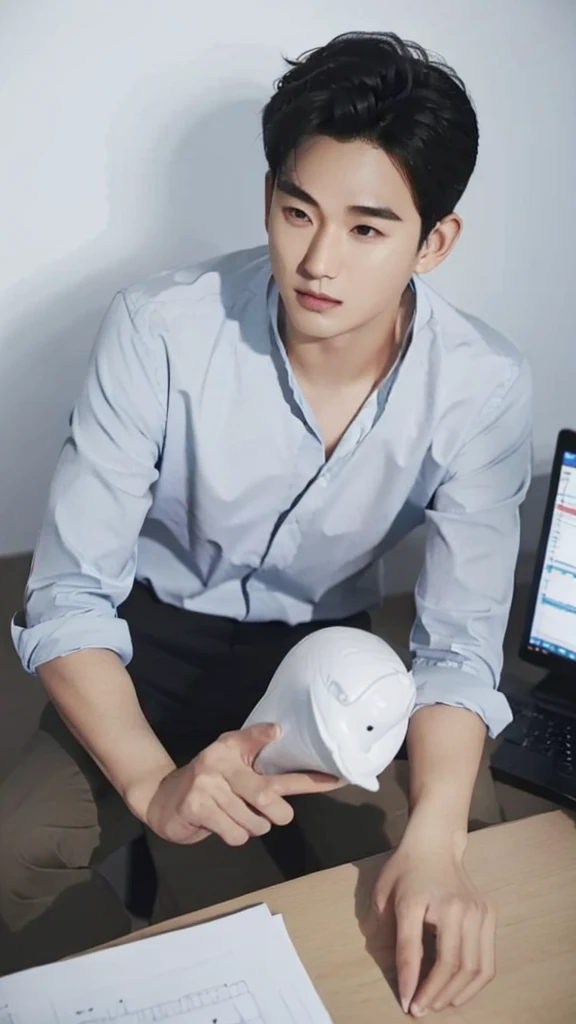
(239,969)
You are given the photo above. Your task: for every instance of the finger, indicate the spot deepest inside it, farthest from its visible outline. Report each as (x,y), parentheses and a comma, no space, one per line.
(409,925)
(254,738)
(298,783)
(487,961)
(260,793)
(214,819)
(448,953)
(238,811)
(469,960)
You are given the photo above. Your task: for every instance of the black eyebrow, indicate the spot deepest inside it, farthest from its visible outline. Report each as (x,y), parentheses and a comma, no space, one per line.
(291,189)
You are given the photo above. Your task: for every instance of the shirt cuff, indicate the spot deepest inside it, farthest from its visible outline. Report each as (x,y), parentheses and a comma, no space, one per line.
(460,688)
(58,637)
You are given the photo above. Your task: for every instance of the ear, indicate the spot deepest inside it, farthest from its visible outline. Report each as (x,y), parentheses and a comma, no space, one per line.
(268,193)
(439,243)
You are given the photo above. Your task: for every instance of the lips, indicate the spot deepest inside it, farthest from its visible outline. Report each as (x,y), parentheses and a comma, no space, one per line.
(316,302)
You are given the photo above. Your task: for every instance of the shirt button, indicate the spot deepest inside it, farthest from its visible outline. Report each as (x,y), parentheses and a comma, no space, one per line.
(323,481)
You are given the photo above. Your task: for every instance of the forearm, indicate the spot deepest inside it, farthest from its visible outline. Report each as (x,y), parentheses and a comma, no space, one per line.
(445,746)
(95,696)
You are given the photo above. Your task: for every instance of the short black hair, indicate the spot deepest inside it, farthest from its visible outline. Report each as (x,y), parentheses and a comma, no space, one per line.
(379,88)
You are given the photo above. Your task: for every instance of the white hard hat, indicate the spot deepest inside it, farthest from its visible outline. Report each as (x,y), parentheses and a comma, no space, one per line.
(343,699)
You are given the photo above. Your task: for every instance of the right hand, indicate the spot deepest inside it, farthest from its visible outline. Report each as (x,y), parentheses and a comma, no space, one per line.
(220,792)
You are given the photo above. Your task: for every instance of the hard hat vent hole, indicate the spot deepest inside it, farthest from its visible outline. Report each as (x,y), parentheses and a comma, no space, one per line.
(369,728)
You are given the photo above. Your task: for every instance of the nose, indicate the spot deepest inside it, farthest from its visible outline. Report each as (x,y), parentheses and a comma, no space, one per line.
(322,257)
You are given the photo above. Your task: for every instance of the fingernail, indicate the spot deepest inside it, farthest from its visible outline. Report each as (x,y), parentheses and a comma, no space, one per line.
(405,1003)
(416,1011)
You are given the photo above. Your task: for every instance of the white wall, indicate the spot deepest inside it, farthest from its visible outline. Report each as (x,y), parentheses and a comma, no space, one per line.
(130,142)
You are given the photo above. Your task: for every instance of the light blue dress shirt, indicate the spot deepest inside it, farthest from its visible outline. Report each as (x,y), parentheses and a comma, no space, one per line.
(195,464)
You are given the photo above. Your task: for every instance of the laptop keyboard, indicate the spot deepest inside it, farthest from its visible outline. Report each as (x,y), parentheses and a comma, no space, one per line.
(544,732)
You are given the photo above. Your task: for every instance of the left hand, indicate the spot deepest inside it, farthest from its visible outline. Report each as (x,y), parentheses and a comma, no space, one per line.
(424,884)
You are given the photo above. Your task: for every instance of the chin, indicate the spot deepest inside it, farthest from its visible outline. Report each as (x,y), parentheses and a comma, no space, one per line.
(314,325)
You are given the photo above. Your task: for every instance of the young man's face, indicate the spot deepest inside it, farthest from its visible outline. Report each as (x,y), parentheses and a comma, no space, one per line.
(322,242)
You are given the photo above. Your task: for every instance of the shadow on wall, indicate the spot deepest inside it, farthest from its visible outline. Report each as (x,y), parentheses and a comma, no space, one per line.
(198,193)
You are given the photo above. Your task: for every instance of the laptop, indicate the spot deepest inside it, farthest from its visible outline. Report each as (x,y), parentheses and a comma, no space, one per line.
(538,749)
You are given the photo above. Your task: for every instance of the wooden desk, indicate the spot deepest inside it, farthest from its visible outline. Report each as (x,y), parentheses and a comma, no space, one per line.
(528,868)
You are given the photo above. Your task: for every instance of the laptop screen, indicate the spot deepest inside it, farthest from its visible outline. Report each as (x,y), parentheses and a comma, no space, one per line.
(553,627)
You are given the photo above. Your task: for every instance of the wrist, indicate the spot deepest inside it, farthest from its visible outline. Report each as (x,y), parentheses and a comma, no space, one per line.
(432,828)
(139,792)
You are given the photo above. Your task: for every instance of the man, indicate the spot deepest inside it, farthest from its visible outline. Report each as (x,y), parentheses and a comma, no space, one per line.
(253,435)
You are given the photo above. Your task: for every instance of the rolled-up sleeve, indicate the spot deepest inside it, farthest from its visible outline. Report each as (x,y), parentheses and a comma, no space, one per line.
(464,591)
(85,558)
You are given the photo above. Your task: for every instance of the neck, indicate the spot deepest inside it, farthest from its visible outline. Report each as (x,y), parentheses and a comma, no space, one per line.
(366,353)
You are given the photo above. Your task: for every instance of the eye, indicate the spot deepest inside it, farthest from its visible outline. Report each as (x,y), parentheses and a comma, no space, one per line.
(366,231)
(295,214)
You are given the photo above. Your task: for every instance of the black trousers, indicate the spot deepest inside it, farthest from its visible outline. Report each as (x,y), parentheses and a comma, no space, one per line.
(198,675)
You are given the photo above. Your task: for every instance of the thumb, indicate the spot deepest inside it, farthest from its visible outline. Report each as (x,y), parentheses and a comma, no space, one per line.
(254,738)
